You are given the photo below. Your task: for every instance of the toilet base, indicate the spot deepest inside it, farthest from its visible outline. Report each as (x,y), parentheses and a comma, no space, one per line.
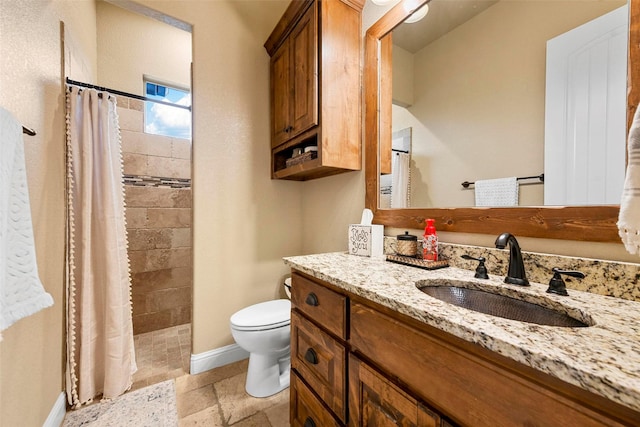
(268,374)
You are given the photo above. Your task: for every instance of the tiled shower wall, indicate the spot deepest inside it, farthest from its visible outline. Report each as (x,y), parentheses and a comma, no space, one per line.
(158,221)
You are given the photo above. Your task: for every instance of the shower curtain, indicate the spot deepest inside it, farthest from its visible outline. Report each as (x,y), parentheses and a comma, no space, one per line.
(100,352)
(401,180)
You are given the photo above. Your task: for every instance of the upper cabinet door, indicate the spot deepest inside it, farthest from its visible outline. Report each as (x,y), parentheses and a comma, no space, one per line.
(280,95)
(304,70)
(294,81)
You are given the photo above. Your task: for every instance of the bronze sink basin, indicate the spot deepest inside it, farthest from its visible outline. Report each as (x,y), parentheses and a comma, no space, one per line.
(500,306)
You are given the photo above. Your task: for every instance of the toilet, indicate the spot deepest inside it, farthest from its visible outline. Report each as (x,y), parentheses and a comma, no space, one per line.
(264,330)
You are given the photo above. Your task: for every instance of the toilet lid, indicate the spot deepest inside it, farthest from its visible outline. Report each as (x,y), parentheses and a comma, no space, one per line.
(265,315)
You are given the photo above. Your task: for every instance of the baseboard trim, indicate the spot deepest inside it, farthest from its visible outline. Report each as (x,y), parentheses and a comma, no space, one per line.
(217,357)
(56,416)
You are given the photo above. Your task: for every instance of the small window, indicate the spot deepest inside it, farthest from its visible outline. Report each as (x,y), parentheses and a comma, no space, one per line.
(162,118)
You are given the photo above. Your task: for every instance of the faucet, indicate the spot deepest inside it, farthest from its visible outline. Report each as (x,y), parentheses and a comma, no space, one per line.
(516,274)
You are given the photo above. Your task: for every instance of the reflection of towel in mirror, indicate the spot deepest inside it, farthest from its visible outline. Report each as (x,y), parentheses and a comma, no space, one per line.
(497,192)
(21,292)
(629,217)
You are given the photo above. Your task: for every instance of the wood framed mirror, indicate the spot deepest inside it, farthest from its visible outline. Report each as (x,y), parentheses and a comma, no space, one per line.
(582,223)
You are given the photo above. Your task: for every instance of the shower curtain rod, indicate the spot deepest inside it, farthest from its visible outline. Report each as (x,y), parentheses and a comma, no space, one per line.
(130,95)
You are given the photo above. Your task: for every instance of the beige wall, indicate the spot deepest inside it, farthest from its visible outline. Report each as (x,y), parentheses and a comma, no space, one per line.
(31,353)
(501,121)
(131,45)
(244,223)
(403,75)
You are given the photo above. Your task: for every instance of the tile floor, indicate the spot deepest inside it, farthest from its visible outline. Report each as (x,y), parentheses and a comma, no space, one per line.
(213,398)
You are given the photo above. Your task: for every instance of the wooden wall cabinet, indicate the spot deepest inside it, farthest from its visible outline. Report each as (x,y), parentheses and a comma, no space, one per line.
(372,366)
(315,88)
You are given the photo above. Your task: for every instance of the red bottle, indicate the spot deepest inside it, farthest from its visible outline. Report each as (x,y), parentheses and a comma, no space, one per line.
(430,242)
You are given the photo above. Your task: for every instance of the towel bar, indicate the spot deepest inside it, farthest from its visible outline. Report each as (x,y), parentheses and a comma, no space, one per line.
(466,184)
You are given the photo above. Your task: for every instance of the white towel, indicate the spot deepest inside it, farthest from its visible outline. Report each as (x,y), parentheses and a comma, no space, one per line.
(629,217)
(497,192)
(21,292)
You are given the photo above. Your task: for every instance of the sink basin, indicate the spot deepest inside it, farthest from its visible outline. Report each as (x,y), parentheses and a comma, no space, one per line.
(501,306)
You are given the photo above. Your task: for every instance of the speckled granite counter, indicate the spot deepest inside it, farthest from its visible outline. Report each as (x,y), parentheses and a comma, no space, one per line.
(603,358)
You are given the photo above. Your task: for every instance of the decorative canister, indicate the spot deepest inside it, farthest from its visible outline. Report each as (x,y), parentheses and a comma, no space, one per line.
(407,244)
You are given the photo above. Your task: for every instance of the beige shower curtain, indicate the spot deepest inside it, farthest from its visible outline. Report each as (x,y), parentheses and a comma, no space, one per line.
(100,353)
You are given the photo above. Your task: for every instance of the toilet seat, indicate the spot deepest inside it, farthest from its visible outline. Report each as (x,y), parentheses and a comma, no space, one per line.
(263,316)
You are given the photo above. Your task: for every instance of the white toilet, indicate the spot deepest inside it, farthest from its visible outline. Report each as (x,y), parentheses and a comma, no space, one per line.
(264,330)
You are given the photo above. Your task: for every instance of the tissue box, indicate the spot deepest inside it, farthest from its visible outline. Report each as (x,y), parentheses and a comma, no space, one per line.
(366,240)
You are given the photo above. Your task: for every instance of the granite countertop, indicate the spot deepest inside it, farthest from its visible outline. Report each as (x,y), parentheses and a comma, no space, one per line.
(603,358)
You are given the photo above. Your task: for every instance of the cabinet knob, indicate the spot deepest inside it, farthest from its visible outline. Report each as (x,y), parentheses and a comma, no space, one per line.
(312,299)
(309,422)
(311,356)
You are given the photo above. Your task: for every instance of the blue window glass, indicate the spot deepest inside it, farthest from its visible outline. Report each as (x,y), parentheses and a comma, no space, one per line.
(163,118)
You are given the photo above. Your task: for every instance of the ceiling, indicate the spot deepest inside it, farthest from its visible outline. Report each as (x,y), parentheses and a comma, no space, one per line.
(443,16)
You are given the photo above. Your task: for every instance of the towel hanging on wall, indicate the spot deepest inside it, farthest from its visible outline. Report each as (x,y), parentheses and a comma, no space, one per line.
(21,292)
(629,216)
(497,192)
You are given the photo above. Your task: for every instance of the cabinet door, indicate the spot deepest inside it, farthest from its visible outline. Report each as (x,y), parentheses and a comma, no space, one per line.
(280,95)
(304,75)
(305,409)
(376,402)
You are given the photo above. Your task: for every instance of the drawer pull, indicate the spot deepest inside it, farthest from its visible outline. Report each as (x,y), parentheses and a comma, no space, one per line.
(312,299)
(311,356)
(309,422)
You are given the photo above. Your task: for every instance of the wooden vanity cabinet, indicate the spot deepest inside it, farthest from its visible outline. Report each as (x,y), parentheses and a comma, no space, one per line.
(376,367)
(315,85)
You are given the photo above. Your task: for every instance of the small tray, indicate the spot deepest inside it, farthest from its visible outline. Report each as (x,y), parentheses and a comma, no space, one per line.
(310,155)
(417,262)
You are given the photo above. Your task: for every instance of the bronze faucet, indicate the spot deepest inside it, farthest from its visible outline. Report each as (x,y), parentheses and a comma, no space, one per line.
(516,274)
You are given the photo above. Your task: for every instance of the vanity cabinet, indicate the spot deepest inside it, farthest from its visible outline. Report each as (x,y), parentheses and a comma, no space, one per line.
(315,52)
(376,367)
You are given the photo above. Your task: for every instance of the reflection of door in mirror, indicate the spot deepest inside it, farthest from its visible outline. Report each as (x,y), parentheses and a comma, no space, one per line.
(395,187)
(585,112)
(477,101)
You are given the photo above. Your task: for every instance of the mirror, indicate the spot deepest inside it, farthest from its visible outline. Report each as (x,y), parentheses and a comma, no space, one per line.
(593,223)
(494,89)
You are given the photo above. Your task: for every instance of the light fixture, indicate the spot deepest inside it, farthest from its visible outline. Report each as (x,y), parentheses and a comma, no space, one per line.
(383,2)
(418,14)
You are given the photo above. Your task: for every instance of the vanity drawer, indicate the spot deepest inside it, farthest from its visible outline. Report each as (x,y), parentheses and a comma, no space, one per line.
(324,306)
(306,408)
(321,361)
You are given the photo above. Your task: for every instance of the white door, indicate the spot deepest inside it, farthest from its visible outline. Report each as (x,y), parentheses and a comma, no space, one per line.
(585,113)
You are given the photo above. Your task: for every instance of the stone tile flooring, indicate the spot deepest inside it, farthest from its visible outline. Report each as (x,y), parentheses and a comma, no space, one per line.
(213,398)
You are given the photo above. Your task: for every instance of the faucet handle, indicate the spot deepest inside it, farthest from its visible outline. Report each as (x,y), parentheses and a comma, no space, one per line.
(481,270)
(557,285)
